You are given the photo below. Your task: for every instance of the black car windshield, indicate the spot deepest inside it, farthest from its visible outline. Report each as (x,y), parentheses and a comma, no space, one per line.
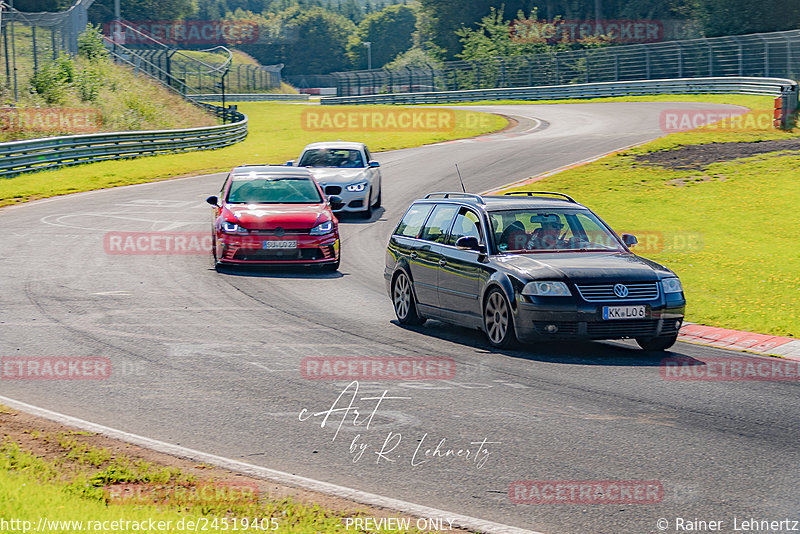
(550,230)
(253,188)
(332,157)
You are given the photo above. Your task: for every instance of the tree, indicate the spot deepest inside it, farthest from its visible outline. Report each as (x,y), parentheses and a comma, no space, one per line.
(390,32)
(306,40)
(102,11)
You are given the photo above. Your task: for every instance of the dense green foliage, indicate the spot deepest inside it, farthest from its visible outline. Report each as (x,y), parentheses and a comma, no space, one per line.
(323,36)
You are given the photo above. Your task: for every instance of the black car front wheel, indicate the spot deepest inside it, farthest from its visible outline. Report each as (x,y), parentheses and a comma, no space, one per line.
(405,307)
(656,344)
(497,320)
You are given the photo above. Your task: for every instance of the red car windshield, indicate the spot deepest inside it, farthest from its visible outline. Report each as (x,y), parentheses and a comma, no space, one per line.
(273,190)
(549,230)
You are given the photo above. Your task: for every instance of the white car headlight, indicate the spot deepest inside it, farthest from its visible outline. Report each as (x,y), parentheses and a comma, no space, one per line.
(322,229)
(233,228)
(357,188)
(546,289)
(671,285)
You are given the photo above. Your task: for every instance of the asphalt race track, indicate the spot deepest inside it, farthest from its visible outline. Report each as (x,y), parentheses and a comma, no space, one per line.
(211,361)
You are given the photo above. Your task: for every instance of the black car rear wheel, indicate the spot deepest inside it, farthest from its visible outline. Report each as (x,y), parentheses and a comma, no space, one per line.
(403,298)
(657,344)
(497,320)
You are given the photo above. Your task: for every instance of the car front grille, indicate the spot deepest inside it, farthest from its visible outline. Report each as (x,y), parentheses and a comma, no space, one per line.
(298,254)
(333,190)
(282,232)
(605,292)
(620,329)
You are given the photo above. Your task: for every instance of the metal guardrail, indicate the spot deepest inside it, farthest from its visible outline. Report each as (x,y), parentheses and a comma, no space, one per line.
(751,86)
(768,55)
(40,154)
(247,97)
(785,90)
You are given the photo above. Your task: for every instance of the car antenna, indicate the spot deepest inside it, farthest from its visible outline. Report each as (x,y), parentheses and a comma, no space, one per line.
(460,180)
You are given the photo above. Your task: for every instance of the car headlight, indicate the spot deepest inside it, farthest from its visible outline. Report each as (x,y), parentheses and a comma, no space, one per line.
(322,229)
(546,289)
(232,228)
(671,285)
(357,188)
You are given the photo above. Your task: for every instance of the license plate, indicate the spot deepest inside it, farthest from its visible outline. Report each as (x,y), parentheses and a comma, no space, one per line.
(279,244)
(624,312)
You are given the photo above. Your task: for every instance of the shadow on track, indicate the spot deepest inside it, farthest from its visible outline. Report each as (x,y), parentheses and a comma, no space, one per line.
(277,271)
(609,353)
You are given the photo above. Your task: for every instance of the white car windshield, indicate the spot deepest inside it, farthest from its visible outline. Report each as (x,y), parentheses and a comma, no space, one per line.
(332,157)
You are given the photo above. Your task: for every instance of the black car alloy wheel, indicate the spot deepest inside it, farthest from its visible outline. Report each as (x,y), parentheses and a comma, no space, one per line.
(497,320)
(403,297)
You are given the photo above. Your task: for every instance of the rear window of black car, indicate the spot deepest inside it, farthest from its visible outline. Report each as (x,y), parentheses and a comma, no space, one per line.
(439,223)
(413,220)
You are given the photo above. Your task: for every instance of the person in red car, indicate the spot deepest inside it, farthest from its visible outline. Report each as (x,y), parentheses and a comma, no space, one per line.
(274,215)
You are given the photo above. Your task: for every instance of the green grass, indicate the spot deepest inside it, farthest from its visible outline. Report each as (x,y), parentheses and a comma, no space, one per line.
(746,273)
(64,490)
(275,136)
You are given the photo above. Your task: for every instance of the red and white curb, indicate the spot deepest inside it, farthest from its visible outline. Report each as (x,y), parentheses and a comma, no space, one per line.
(784,347)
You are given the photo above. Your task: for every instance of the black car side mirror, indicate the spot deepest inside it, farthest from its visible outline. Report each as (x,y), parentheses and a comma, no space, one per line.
(468,242)
(213,200)
(374,164)
(336,202)
(629,240)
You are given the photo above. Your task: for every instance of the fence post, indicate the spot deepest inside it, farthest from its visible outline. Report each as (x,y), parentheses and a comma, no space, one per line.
(586,55)
(766,55)
(558,71)
(710,58)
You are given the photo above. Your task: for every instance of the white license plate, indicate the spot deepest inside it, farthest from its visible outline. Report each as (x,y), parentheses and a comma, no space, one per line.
(624,312)
(280,244)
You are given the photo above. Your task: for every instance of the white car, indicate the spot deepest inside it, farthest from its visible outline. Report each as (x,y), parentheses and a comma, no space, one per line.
(347,170)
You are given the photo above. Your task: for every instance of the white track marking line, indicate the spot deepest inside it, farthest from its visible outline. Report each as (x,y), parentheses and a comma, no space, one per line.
(462,521)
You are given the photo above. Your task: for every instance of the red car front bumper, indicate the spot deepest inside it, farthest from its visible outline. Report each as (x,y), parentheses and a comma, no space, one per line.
(251,249)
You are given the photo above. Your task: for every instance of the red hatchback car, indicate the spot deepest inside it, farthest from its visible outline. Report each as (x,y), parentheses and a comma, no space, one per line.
(274,215)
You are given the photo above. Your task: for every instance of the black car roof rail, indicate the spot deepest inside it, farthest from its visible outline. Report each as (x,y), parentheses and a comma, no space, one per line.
(449,195)
(535,193)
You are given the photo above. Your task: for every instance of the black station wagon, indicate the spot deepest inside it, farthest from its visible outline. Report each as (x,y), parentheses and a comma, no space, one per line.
(530,268)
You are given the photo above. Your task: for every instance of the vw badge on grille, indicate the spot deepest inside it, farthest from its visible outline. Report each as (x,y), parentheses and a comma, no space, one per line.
(620,290)
(280,231)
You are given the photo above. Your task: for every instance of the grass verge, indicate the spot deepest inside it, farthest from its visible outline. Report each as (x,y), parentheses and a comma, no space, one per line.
(276,134)
(63,481)
(722,228)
